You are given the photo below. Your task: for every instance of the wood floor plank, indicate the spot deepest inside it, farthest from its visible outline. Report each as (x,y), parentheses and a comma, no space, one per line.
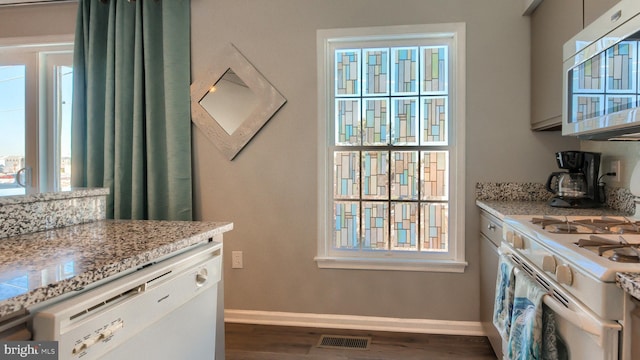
(262,342)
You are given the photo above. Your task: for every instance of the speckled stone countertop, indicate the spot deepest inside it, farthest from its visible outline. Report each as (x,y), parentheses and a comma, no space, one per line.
(630,283)
(500,209)
(40,266)
(57,195)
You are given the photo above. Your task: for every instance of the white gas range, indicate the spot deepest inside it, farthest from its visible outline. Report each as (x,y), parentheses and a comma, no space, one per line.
(575,259)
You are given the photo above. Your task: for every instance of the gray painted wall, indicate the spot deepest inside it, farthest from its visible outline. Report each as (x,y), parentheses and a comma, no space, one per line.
(269,190)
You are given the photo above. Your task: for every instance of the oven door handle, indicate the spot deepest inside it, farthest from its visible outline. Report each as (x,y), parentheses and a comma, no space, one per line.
(582,318)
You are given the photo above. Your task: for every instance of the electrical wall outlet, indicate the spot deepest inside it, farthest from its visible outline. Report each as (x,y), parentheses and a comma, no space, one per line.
(236,260)
(615,168)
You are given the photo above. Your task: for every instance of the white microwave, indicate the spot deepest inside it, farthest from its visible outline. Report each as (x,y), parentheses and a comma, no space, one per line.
(601,85)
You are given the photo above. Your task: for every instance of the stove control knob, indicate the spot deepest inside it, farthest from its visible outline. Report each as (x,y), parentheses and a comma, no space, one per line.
(549,264)
(518,243)
(564,274)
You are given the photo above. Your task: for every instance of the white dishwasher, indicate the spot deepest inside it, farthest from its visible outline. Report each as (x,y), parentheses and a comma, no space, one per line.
(163,311)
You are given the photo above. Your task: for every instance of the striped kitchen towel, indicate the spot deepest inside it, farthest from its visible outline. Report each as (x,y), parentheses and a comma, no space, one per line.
(505,284)
(525,335)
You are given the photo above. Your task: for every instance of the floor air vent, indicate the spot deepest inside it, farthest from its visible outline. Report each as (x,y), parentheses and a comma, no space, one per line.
(344,342)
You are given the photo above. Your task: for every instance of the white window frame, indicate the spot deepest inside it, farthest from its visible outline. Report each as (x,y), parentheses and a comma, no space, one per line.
(327,256)
(41,54)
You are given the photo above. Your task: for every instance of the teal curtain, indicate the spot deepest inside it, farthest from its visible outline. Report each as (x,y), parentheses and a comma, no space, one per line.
(131,121)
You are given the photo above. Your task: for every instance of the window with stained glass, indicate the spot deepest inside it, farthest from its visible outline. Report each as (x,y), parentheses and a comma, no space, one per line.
(389,146)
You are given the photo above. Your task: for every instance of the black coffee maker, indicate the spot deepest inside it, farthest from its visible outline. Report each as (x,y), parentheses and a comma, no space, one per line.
(578,186)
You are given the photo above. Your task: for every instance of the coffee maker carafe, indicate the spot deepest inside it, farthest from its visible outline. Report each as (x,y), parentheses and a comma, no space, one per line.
(578,186)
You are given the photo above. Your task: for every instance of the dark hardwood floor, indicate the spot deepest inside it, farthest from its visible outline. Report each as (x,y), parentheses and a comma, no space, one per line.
(261,342)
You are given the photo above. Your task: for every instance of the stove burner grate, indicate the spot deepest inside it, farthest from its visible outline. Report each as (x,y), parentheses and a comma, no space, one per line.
(595,225)
(618,251)
(625,255)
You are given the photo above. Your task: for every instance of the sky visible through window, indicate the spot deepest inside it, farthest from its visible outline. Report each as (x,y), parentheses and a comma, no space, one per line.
(12,105)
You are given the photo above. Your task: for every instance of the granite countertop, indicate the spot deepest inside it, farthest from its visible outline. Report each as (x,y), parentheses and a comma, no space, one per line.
(40,266)
(55,195)
(630,283)
(501,209)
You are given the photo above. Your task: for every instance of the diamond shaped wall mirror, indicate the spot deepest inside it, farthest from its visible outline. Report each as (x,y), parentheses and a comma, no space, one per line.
(232,102)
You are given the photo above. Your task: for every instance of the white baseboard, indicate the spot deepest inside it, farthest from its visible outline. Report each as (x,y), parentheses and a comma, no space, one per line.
(371,323)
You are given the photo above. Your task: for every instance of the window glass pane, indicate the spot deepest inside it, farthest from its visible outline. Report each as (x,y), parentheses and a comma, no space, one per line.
(376,72)
(619,102)
(12,123)
(435,177)
(434,120)
(404,226)
(375,114)
(620,72)
(434,69)
(435,225)
(346,174)
(588,89)
(346,215)
(404,76)
(404,121)
(347,122)
(375,174)
(588,77)
(404,175)
(64,100)
(347,78)
(375,225)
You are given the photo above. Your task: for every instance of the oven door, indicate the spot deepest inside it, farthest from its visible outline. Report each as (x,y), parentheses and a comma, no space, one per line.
(584,334)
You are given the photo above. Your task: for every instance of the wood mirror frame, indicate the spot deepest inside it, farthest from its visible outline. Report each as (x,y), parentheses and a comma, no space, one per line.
(268,102)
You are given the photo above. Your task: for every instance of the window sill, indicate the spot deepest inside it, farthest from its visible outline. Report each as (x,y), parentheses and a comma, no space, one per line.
(449,266)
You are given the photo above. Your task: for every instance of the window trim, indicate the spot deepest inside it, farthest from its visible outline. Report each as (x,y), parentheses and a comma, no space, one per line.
(455,261)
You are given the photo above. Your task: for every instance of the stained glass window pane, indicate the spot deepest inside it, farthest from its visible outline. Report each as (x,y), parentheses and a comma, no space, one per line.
(347,76)
(435,177)
(621,62)
(348,122)
(587,106)
(404,226)
(404,121)
(404,75)
(376,72)
(375,225)
(346,174)
(375,121)
(434,120)
(375,174)
(589,75)
(404,175)
(434,69)
(434,225)
(346,216)
(620,102)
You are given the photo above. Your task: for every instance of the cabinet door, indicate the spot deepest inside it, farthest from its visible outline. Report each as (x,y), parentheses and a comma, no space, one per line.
(594,8)
(552,24)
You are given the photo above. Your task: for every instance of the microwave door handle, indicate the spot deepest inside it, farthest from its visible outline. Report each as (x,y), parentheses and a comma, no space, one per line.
(581,318)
